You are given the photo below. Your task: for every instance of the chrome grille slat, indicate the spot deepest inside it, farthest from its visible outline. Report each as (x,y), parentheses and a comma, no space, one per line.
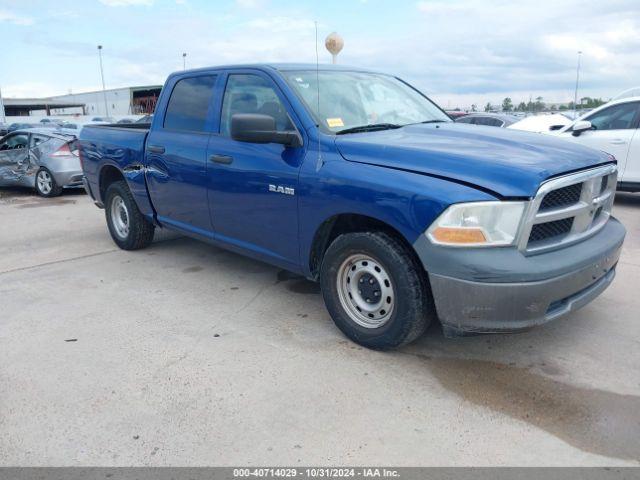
(557,216)
(559,213)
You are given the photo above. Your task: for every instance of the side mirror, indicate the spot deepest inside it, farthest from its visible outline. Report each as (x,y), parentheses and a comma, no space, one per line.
(580,126)
(256,128)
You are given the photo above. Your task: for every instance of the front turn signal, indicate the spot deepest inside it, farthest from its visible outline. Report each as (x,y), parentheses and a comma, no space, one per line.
(460,236)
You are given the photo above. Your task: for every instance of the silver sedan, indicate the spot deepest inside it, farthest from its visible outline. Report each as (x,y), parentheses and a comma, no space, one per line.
(40,158)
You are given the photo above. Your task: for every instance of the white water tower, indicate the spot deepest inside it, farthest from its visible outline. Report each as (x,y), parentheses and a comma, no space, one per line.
(334,44)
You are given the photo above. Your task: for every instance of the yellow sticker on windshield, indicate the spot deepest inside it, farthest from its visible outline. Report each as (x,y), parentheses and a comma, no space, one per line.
(335,122)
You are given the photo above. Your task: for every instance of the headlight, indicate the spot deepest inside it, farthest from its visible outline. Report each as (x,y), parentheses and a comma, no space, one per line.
(477,224)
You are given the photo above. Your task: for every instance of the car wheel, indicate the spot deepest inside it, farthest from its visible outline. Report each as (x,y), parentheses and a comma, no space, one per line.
(375,290)
(129,229)
(46,185)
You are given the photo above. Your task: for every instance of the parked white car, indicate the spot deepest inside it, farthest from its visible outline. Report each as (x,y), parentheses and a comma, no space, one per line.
(541,123)
(613,128)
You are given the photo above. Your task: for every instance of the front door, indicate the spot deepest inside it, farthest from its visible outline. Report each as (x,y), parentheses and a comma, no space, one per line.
(612,131)
(253,187)
(176,155)
(14,158)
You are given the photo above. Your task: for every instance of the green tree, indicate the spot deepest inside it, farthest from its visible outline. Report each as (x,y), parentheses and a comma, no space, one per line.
(474,108)
(588,102)
(488,107)
(507,105)
(522,107)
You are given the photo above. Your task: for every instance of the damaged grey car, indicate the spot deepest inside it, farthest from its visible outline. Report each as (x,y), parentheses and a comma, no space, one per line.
(40,158)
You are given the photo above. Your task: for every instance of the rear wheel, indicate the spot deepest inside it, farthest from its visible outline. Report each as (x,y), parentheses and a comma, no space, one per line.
(46,185)
(129,229)
(375,290)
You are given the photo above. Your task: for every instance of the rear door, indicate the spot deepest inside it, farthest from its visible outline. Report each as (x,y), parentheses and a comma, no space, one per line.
(253,187)
(176,154)
(632,169)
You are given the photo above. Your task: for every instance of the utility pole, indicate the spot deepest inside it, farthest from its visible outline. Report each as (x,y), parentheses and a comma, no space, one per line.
(575,94)
(184,61)
(3,118)
(104,91)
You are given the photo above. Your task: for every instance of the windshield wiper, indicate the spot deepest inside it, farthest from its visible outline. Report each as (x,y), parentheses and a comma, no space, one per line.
(369,128)
(435,121)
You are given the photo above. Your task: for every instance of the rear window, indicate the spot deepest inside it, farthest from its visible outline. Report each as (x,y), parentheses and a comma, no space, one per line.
(189,104)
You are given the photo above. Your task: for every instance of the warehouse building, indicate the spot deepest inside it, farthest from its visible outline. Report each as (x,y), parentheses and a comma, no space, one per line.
(118,101)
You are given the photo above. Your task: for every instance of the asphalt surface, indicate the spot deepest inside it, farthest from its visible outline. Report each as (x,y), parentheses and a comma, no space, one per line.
(184,354)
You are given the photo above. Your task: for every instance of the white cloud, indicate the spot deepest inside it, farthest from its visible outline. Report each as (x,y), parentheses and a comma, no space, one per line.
(461,52)
(15,19)
(282,24)
(127,3)
(29,89)
(250,3)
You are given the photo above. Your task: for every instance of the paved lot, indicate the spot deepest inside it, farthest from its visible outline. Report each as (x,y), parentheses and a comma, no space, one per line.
(184,354)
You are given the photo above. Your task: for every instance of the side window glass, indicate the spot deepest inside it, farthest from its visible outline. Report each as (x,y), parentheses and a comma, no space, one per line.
(617,117)
(37,140)
(246,93)
(15,142)
(189,104)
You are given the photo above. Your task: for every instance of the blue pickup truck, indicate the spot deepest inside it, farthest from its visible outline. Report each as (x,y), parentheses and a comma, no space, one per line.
(357,180)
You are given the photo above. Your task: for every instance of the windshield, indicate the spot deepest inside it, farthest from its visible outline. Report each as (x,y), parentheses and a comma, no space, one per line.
(354,99)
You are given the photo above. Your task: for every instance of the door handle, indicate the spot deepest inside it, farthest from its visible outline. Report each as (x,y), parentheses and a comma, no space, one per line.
(224,159)
(155,149)
(618,141)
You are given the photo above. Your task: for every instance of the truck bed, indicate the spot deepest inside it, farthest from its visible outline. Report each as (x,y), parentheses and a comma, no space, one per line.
(120,146)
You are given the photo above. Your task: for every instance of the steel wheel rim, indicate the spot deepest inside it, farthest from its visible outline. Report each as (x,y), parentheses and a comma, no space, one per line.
(120,217)
(365,291)
(45,183)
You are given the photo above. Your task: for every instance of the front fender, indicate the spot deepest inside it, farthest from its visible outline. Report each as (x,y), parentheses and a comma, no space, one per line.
(408,202)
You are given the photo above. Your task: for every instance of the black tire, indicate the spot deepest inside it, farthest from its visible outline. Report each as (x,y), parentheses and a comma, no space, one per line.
(52,189)
(413,307)
(139,231)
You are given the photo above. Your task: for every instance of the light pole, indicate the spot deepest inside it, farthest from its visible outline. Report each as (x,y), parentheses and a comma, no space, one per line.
(575,94)
(2,115)
(104,91)
(184,61)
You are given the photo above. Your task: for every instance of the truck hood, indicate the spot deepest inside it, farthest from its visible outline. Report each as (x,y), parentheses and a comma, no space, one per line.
(505,162)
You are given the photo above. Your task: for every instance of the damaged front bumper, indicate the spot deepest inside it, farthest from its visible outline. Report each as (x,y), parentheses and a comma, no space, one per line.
(502,290)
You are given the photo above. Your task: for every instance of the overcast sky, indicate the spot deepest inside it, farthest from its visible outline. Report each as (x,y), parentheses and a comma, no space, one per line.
(457,51)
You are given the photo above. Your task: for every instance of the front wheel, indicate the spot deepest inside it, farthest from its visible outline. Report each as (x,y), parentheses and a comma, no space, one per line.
(46,185)
(129,229)
(375,290)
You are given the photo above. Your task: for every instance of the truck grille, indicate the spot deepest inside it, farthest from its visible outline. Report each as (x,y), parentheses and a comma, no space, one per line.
(568,209)
(543,231)
(561,197)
